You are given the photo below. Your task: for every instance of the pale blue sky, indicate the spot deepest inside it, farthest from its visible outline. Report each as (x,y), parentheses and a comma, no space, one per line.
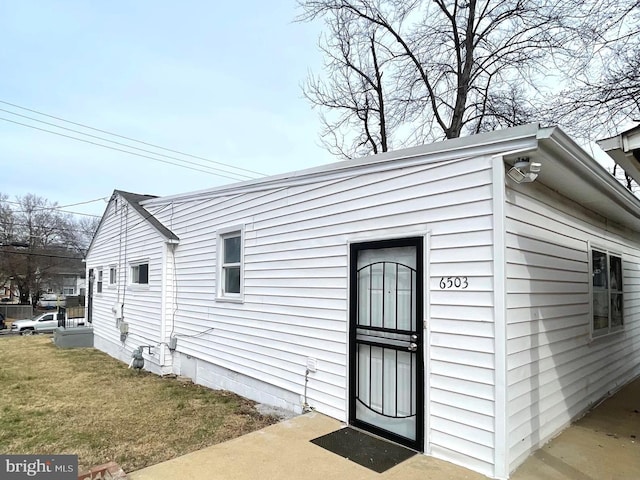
(215,79)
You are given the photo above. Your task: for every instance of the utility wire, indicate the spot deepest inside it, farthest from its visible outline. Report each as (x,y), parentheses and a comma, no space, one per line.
(116,149)
(104,199)
(54,208)
(57,207)
(145,218)
(6,225)
(130,139)
(40,254)
(241,175)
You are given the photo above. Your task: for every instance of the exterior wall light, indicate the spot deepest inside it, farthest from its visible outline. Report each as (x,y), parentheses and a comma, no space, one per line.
(524,171)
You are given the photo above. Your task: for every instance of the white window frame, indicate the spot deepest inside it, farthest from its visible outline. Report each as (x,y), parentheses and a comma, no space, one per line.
(221,234)
(113,269)
(99,280)
(602,332)
(73,291)
(135,264)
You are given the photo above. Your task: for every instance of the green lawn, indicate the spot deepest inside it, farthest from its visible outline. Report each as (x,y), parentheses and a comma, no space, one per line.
(83,402)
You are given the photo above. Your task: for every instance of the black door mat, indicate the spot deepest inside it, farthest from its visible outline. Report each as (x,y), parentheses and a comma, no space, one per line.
(366,450)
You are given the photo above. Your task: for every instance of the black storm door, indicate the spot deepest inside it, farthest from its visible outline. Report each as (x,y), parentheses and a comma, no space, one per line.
(386,340)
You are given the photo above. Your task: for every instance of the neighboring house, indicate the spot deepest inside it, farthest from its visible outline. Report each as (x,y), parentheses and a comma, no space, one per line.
(423,295)
(67,279)
(9,292)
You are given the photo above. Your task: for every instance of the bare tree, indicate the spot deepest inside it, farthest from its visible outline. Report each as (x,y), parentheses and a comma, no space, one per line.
(355,92)
(450,67)
(36,241)
(406,72)
(601,91)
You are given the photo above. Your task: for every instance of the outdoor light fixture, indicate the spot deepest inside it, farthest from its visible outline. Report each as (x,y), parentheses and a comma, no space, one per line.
(524,171)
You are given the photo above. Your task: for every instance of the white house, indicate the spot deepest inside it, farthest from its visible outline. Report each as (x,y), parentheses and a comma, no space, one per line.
(424,295)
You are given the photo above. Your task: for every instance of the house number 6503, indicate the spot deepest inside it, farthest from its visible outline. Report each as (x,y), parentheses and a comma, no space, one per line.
(453,282)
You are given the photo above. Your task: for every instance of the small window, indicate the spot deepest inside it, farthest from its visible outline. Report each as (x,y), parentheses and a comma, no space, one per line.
(69,291)
(113,275)
(99,282)
(607,292)
(230,265)
(140,274)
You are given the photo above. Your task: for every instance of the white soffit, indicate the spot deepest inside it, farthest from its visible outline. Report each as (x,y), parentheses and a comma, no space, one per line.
(569,170)
(624,149)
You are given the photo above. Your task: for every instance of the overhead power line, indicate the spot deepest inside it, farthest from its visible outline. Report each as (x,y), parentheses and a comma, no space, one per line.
(104,199)
(58,209)
(131,139)
(116,149)
(50,255)
(5,225)
(237,176)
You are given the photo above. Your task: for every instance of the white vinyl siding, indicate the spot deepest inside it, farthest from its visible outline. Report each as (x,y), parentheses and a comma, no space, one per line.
(142,307)
(296,296)
(555,369)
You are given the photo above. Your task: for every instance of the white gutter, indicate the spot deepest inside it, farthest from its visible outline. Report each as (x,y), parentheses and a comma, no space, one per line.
(624,149)
(453,149)
(591,171)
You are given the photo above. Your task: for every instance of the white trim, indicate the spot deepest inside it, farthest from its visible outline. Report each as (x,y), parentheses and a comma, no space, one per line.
(114,284)
(99,280)
(136,285)
(347,343)
(592,333)
(163,303)
(220,234)
(501,443)
(391,234)
(426,337)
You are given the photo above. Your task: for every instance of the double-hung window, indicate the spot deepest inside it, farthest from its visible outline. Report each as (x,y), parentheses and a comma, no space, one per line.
(113,275)
(230,274)
(99,282)
(607,292)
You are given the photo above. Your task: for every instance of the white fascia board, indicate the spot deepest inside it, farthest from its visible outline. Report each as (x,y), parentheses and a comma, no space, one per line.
(621,150)
(516,138)
(631,140)
(591,171)
(627,161)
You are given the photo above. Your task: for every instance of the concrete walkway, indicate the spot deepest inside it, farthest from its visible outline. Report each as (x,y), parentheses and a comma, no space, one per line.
(604,444)
(600,446)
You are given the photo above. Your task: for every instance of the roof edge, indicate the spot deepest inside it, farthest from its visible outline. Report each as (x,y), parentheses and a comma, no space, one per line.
(474,142)
(624,150)
(134,200)
(596,173)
